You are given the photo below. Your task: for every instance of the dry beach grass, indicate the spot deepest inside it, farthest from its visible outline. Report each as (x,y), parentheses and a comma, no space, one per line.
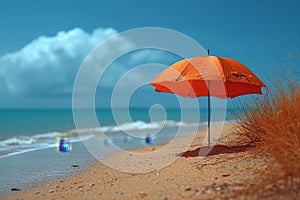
(273,127)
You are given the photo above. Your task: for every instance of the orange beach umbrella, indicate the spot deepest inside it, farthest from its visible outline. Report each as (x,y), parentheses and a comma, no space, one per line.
(208,76)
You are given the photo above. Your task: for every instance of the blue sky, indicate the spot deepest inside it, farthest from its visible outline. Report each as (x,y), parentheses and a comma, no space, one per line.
(260,34)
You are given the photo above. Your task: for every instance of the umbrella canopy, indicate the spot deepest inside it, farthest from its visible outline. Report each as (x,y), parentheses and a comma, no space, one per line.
(203,75)
(208,76)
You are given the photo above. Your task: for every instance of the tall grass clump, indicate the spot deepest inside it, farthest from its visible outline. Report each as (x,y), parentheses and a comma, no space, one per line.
(272,125)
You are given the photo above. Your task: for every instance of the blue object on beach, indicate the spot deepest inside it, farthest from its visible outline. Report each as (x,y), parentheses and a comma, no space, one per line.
(64,145)
(149,139)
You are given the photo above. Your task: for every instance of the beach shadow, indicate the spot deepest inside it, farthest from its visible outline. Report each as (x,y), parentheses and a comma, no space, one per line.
(214,150)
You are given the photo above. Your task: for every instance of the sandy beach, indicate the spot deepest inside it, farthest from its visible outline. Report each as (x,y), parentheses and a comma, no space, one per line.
(150,100)
(230,171)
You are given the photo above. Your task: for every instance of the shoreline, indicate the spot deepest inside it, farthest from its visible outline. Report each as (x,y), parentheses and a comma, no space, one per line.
(73,135)
(52,152)
(76,137)
(213,176)
(58,165)
(36,167)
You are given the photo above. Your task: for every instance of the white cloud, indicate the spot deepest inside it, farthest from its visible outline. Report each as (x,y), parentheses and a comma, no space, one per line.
(48,65)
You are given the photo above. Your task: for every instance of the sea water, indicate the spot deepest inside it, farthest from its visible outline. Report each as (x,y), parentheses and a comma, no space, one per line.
(29,138)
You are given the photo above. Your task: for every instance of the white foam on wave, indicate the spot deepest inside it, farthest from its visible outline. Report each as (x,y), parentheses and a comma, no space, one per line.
(137,125)
(23,144)
(27,140)
(133,126)
(47,135)
(14,141)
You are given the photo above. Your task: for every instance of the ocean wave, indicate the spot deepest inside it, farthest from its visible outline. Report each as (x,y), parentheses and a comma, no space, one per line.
(14,141)
(133,126)
(47,135)
(22,144)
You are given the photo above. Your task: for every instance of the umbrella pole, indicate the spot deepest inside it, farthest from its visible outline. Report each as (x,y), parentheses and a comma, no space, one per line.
(208,105)
(208,115)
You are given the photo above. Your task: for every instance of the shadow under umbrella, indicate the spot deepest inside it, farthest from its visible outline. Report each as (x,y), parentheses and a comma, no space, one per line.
(214,150)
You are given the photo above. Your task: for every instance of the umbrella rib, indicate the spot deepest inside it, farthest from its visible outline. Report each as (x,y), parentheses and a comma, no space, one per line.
(226,89)
(222,73)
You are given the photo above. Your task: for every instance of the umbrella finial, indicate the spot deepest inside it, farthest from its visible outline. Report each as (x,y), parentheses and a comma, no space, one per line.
(208,52)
